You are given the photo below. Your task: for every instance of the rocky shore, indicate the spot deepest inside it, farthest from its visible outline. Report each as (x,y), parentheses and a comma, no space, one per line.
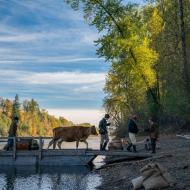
(174,155)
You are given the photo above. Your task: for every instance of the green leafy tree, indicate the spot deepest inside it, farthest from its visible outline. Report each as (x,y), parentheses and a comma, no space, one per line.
(149,50)
(127,45)
(16,107)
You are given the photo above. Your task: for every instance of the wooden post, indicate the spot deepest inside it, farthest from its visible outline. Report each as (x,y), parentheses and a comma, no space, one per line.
(40,148)
(14,147)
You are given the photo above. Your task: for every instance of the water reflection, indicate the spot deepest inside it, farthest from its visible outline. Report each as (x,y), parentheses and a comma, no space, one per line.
(50,178)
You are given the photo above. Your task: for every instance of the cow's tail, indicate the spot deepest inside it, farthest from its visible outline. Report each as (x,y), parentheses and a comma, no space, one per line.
(54,132)
(53,141)
(54,135)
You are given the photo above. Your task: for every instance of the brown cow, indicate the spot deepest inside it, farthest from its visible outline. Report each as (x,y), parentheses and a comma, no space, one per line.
(71,134)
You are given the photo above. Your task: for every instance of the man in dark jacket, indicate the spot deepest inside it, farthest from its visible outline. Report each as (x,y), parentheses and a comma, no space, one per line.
(104,132)
(132,130)
(153,133)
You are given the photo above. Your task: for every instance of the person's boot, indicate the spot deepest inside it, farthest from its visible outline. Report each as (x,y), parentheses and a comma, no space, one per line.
(101,146)
(134,148)
(104,146)
(153,149)
(153,146)
(7,148)
(129,147)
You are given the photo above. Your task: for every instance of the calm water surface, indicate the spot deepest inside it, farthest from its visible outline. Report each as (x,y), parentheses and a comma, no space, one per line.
(42,178)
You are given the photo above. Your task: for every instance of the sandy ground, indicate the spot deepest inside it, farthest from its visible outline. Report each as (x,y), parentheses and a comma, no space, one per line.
(174,155)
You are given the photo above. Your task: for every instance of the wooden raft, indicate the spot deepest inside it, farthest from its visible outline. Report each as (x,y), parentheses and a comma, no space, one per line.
(58,157)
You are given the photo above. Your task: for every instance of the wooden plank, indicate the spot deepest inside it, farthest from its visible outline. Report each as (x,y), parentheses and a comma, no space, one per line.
(28,137)
(62,157)
(116,159)
(74,152)
(66,160)
(6,153)
(79,152)
(14,148)
(19,153)
(119,153)
(40,148)
(66,152)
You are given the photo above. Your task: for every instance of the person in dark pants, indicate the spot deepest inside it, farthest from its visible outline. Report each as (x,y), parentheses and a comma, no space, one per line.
(104,132)
(12,132)
(153,133)
(132,130)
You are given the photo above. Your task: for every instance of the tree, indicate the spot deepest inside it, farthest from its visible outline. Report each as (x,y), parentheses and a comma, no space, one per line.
(185,68)
(149,49)
(7,107)
(32,120)
(126,42)
(16,107)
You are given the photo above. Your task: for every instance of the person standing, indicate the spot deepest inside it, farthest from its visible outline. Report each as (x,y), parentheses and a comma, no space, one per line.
(104,138)
(132,130)
(153,133)
(12,132)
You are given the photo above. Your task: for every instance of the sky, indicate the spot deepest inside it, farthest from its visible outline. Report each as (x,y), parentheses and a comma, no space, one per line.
(47,53)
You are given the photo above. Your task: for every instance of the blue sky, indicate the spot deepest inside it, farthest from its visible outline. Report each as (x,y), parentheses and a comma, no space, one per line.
(47,53)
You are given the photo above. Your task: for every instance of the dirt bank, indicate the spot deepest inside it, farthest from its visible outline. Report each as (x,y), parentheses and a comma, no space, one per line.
(174,155)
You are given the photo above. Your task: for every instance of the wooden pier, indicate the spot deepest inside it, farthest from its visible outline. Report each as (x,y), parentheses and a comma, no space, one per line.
(57,157)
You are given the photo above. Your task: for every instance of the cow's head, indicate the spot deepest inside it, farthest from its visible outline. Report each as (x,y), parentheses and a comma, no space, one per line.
(93,130)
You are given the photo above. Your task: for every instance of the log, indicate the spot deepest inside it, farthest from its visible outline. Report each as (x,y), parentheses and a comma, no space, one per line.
(131,162)
(184,136)
(111,160)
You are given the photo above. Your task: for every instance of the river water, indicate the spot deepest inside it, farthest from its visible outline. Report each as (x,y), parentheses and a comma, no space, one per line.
(52,178)
(55,178)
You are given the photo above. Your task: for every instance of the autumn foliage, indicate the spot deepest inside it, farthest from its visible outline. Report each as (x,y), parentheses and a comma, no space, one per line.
(33,121)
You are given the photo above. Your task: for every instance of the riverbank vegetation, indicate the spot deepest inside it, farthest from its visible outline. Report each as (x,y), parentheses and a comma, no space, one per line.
(149,50)
(33,121)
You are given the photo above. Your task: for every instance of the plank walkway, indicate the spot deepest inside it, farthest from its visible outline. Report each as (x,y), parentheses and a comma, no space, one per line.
(57,157)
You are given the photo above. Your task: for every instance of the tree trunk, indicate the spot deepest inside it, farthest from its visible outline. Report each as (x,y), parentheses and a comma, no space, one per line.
(185,69)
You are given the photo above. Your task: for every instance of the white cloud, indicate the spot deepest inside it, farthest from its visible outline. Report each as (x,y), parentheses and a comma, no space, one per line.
(66,59)
(78,34)
(92,116)
(63,78)
(54,59)
(89,37)
(21,38)
(89,88)
(55,9)
(52,78)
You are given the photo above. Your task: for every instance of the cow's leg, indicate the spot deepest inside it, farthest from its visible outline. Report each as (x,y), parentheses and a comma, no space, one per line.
(59,143)
(54,143)
(77,144)
(84,141)
(50,143)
